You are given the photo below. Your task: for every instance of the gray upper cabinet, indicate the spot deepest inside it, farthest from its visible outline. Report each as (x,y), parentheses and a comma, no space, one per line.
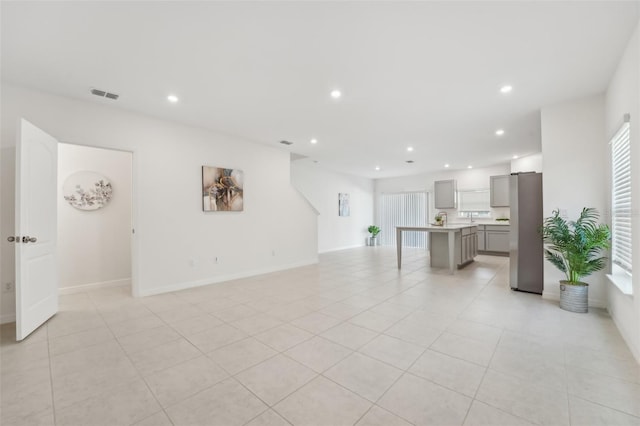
(500,191)
(444,193)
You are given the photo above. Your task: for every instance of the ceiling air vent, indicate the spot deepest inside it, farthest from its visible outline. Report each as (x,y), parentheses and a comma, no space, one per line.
(104,94)
(286,143)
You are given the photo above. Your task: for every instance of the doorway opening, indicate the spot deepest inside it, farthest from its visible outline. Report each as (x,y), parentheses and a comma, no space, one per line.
(95,193)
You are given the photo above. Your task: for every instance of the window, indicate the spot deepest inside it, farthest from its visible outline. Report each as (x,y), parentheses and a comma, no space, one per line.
(474,203)
(403,209)
(621,201)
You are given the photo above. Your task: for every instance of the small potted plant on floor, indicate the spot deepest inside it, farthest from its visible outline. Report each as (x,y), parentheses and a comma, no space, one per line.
(373,239)
(575,248)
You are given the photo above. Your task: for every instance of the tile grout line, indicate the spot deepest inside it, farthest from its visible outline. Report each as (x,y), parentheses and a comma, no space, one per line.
(140,375)
(51,358)
(53,399)
(420,278)
(607,407)
(486,369)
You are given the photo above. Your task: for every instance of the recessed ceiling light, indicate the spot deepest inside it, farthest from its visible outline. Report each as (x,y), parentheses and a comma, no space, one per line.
(336,94)
(314,141)
(469,167)
(515,157)
(410,148)
(377,168)
(500,132)
(409,161)
(506,89)
(446,166)
(172,98)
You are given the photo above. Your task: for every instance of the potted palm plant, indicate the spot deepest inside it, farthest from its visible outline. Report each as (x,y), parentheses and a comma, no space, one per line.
(374,231)
(575,248)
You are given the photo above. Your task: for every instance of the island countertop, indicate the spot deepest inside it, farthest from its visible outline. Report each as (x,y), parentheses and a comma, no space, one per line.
(436,228)
(496,223)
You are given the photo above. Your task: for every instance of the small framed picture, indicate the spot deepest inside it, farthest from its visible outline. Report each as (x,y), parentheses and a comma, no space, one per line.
(343,204)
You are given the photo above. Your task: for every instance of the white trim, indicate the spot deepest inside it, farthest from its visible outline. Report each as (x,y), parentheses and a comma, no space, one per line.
(7,318)
(625,328)
(622,283)
(93,286)
(222,278)
(342,248)
(306,200)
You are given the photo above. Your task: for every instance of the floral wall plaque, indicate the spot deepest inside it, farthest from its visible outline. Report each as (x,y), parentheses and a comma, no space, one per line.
(87,190)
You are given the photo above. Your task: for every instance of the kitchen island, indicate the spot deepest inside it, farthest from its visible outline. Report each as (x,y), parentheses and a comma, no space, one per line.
(449,246)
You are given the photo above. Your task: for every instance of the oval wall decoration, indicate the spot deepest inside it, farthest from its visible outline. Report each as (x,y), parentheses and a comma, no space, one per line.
(87,190)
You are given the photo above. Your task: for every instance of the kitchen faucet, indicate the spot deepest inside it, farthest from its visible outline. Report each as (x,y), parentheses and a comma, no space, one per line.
(443,215)
(470,217)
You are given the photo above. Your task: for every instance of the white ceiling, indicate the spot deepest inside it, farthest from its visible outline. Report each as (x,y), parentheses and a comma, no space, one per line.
(421,74)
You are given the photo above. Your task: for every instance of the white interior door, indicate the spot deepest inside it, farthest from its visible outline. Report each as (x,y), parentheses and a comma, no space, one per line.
(36,229)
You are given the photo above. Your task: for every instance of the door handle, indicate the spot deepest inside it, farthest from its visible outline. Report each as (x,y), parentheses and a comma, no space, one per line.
(28,239)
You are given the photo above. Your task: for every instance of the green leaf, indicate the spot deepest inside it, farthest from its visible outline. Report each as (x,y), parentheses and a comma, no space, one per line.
(576,247)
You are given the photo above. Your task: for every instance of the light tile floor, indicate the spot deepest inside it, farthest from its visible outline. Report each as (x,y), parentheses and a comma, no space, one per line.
(350,341)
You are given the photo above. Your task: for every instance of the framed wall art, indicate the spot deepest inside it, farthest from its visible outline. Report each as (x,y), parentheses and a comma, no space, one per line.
(343,204)
(222,189)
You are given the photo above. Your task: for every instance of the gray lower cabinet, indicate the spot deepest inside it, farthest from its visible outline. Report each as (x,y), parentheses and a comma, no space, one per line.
(497,241)
(468,248)
(493,239)
(465,247)
(481,234)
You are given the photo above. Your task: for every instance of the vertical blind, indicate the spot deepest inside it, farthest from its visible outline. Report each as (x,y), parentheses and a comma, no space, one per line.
(621,198)
(403,209)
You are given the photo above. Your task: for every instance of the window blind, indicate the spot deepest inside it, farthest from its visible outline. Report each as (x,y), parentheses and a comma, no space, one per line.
(621,198)
(474,201)
(403,209)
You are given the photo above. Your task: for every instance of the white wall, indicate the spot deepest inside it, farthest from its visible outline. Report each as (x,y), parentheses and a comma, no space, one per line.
(94,247)
(622,97)
(321,187)
(175,242)
(468,179)
(530,163)
(7,183)
(574,175)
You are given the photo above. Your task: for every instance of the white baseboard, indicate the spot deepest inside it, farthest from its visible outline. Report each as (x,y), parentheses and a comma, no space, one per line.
(7,318)
(341,248)
(625,333)
(222,278)
(94,286)
(555,295)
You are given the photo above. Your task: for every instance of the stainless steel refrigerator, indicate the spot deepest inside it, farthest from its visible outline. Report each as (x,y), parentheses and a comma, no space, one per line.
(526,271)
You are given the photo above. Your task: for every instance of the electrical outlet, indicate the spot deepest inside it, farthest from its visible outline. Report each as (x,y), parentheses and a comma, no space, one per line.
(273,252)
(8,287)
